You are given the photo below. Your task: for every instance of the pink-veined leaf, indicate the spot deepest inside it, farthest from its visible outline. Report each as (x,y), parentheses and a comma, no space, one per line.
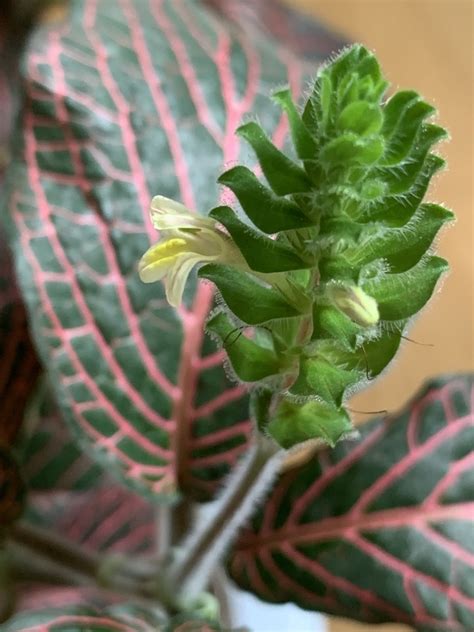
(129,99)
(110,518)
(81,616)
(380,529)
(304,36)
(49,456)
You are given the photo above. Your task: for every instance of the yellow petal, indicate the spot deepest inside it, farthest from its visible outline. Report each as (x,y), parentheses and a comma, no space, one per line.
(159,259)
(162,204)
(167,214)
(178,276)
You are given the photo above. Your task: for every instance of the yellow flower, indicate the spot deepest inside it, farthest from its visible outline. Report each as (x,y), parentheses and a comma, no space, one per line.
(186,240)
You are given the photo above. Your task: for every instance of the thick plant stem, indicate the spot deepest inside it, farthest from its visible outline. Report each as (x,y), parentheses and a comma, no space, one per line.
(163,530)
(220,589)
(58,560)
(57,549)
(27,565)
(202,552)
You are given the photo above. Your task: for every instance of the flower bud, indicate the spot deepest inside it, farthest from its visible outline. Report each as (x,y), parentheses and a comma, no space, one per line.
(352,301)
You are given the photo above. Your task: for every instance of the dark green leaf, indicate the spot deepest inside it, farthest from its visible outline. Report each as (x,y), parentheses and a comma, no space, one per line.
(373,356)
(282,174)
(304,143)
(250,361)
(248,299)
(332,323)
(266,210)
(401,177)
(397,210)
(293,423)
(431,219)
(394,109)
(402,247)
(406,131)
(261,253)
(400,296)
(323,379)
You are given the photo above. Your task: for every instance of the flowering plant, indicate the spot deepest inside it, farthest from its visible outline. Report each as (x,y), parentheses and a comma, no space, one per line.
(154,461)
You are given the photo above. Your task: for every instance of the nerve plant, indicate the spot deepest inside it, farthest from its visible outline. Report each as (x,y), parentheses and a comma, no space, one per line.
(318,281)
(318,273)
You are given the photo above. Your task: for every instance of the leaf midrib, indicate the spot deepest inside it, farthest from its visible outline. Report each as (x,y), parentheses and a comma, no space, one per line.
(332,528)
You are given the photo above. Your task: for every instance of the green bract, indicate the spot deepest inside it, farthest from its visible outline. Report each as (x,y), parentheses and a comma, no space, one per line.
(338,249)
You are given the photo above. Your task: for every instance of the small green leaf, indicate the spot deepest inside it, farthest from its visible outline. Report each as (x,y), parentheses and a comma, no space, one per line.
(400,296)
(373,355)
(394,108)
(294,423)
(361,118)
(397,210)
(332,323)
(402,247)
(378,353)
(401,178)
(408,127)
(321,378)
(250,361)
(349,61)
(266,210)
(351,149)
(304,143)
(248,299)
(261,253)
(325,99)
(431,218)
(282,174)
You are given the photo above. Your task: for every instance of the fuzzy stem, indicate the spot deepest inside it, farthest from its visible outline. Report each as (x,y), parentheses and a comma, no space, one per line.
(163,519)
(60,561)
(220,588)
(27,565)
(217,528)
(56,548)
(181,520)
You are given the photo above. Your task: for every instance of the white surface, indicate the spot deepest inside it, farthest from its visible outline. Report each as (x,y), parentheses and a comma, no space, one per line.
(257,616)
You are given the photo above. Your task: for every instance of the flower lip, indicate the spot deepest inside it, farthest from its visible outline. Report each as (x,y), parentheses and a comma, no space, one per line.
(168,214)
(186,240)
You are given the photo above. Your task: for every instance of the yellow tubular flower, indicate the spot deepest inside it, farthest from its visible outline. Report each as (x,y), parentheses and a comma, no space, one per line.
(187,239)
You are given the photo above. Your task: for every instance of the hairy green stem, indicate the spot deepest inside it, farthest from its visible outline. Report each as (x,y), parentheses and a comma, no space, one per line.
(202,552)
(163,525)
(220,588)
(53,559)
(31,566)
(56,548)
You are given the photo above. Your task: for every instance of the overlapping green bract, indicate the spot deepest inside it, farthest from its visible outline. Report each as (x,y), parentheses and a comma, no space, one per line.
(340,256)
